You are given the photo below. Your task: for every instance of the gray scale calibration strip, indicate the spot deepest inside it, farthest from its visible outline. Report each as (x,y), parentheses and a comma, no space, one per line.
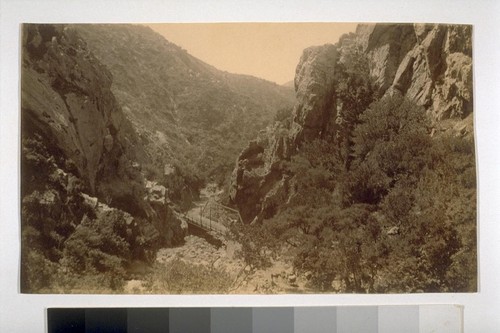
(325,319)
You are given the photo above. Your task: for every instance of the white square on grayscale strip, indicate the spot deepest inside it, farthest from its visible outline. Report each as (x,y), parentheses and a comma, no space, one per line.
(441,319)
(398,318)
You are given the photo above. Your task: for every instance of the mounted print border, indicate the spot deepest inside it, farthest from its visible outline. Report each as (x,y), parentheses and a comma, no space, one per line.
(146,170)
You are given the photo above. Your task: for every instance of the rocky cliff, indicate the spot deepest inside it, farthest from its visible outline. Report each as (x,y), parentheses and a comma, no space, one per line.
(429,64)
(259,184)
(314,89)
(66,97)
(78,144)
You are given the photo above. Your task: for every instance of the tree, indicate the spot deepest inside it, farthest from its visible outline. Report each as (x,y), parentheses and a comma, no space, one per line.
(382,207)
(353,94)
(390,144)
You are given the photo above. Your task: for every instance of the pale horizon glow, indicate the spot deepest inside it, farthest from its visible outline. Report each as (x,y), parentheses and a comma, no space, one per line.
(269,51)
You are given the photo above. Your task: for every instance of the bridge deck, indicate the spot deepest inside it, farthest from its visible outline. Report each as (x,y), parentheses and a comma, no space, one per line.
(205,223)
(203,216)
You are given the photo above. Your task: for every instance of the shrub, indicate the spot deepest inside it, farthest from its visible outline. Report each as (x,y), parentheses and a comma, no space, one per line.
(180,277)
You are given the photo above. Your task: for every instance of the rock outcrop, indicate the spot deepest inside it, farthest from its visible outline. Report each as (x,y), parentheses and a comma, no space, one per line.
(257,180)
(386,46)
(429,64)
(165,219)
(66,97)
(259,184)
(77,140)
(314,89)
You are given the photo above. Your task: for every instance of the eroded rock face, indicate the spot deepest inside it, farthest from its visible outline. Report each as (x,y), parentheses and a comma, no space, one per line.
(259,184)
(258,176)
(429,64)
(71,122)
(165,219)
(386,45)
(66,97)
(314,78)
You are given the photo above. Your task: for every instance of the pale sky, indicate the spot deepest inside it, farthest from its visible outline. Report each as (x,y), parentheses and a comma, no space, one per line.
(267,50)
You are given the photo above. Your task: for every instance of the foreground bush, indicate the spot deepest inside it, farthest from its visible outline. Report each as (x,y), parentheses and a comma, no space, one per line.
(179,277)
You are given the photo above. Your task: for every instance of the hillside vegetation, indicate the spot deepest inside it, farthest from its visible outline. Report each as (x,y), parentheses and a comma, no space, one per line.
(369,184)
(120,130)
(360,179)
(84,214)
(186,112)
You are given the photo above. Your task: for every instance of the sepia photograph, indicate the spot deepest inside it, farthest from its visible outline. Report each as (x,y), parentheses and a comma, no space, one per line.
(247,158)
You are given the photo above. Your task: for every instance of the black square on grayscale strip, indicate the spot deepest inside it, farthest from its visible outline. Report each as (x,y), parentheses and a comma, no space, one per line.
(106,320)
(66,320)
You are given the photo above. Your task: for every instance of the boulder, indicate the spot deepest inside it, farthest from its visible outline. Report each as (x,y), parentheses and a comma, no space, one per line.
(156,194)
(393,231)
(91,202)
(166,221)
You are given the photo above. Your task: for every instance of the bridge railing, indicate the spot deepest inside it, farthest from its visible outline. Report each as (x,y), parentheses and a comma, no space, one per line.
(220,213)
(199,222)
(213,216)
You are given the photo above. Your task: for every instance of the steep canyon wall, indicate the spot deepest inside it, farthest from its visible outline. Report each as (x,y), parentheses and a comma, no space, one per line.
(429,64)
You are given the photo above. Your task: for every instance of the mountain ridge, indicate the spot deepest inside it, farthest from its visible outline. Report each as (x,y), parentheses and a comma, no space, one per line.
(196,99)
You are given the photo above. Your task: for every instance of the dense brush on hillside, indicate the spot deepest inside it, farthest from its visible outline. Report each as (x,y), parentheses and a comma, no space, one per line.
(120,130)
(187,112)
(369,185)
